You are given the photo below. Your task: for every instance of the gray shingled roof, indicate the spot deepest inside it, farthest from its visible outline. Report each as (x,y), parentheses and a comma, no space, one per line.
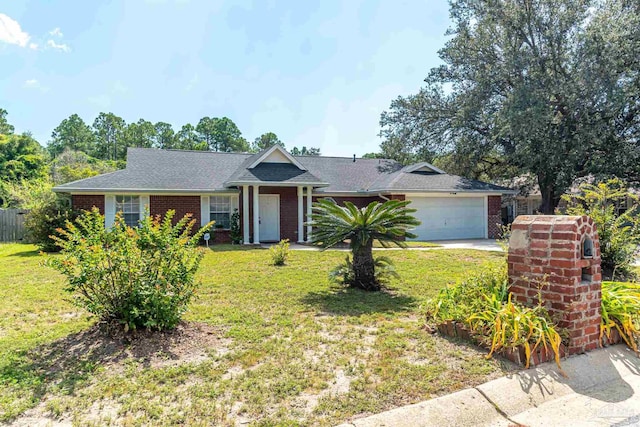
(274,173)
(153,169)
(196,171)
(418,181)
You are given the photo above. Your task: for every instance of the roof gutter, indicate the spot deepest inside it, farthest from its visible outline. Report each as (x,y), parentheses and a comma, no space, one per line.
(276,184)
(141,190)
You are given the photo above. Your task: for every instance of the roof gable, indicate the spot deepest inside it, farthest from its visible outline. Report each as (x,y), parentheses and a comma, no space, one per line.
(276,154)
(423,167)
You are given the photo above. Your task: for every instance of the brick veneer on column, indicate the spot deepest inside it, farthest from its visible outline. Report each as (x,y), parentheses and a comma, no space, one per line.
(88,201)
(546,252)
(494,219)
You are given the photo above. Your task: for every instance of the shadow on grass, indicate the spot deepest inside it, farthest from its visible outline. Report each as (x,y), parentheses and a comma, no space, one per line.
(26,253)
(69,363)
(356,302)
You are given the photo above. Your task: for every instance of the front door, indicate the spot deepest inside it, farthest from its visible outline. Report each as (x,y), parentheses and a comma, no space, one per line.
(269,217)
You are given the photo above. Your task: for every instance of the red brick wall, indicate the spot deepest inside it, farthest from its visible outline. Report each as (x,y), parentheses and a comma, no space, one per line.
(88,201)
(159,205)
(220,236)
(494,219)
(545,252)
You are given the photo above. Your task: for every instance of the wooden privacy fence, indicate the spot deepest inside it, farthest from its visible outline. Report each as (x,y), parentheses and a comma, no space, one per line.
(12,225)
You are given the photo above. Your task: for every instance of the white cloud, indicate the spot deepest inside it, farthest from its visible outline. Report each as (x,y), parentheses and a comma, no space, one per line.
(10,32)
(58,46)
(32,83)
(56,32)
(33,46)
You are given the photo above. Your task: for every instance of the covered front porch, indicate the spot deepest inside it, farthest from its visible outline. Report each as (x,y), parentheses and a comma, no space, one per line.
(273,212)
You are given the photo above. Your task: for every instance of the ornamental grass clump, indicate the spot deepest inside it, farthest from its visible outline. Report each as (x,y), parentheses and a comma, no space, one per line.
(483,304)
(621,312)
(507,325)
(140,277)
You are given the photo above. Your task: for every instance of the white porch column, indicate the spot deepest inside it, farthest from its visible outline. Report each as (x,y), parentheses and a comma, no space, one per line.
(300,215)
(256,214)
(245,214)
(309,202)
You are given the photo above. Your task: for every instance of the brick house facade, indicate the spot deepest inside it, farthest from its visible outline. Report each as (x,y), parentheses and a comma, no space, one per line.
(212,186)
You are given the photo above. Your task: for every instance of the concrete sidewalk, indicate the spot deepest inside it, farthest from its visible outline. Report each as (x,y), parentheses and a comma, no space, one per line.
(602,388)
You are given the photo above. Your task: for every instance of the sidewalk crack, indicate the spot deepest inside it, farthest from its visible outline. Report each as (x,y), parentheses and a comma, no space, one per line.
(495,405)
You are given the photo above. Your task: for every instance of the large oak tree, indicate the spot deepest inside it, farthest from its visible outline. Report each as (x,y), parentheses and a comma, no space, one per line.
(547,87)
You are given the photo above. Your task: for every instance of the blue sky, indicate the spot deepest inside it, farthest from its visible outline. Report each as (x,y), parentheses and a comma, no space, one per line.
(315,73)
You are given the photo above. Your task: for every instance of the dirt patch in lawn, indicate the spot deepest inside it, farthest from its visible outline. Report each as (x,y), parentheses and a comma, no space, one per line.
(187,343)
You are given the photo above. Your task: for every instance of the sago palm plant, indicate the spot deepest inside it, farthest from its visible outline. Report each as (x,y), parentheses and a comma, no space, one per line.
(388,222)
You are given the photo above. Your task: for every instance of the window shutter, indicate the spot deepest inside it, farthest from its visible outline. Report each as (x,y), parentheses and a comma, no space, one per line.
(144,207)
(109,210)
(205,214)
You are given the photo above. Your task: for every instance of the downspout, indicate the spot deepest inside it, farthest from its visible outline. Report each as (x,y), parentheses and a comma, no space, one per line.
(383,197)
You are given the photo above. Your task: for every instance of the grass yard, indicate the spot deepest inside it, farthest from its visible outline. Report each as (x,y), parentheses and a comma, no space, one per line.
(265,346)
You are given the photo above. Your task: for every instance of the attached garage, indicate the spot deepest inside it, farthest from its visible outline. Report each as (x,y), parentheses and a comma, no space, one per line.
(449,218)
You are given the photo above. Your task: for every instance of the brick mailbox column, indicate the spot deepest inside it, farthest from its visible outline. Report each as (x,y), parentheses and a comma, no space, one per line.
(559,256)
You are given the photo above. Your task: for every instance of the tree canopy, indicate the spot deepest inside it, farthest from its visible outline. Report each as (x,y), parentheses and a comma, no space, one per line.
(221,134)
(5,127)
(547,87)
(266,140)
(21,157)
(304,151)
(72,134)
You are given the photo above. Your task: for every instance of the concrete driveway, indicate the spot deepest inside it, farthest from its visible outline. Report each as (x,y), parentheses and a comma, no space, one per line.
(477,244)
(602,388)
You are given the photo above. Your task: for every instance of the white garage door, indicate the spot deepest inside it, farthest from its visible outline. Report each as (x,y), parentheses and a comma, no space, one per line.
(447,218)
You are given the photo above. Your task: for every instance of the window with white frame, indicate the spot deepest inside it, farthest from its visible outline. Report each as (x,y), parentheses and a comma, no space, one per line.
(220,211)
(130,208)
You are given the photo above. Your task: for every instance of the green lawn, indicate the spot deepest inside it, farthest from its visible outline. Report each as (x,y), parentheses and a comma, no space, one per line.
(277,346)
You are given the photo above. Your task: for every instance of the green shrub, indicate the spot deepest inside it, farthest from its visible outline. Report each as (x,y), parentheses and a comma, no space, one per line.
(460,301)
(619,233)
(343,274)
(137,277)
(42,221)
(280,252)
(48,211)
(621,311)
(235,233)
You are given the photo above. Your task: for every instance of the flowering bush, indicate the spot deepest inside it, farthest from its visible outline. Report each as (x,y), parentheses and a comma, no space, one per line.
(137,277)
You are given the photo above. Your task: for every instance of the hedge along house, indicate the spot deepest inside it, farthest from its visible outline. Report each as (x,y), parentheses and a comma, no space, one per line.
(274,191)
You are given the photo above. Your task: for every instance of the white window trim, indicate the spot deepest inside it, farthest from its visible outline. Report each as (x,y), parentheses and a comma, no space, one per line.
(205,206)
(110,207)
